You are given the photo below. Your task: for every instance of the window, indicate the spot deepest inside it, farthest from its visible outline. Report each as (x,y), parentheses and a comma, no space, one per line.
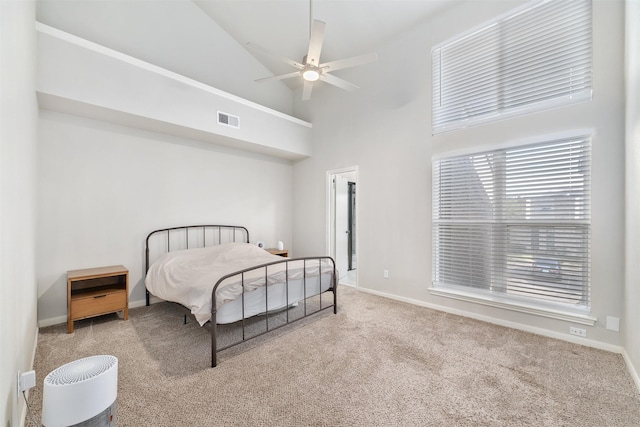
(534,58)
(515,222)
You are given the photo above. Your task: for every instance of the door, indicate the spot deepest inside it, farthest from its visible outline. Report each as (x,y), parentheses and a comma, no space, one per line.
(351,251)
(342,225)
(341,222)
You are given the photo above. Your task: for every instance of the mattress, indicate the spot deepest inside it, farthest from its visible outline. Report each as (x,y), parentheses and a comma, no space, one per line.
(189,276)
(256,302)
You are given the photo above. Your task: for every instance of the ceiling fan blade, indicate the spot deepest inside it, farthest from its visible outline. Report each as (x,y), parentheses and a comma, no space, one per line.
(264,51)
(306,90)
(315,43)
(280,77)
(349,62)
(336,81)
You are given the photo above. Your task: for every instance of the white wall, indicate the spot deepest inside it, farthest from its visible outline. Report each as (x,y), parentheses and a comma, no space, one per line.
(174,34)
(80,77)
(18,121)
(632,288)
(103,187)
(384,128)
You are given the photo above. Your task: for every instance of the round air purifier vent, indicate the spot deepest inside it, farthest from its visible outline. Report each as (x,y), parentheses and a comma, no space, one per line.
(81,393)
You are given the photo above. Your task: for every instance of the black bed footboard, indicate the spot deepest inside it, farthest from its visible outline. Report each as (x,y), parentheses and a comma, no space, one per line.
(283,291)
(251,302)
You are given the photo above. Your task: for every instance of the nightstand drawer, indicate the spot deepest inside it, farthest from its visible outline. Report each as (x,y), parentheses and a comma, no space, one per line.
(98,303)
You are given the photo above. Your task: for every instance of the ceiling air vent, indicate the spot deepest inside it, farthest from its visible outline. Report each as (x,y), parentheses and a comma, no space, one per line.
(228,120)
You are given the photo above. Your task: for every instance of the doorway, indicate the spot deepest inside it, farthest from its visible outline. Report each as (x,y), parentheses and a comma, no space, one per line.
(351,226)
(342,222)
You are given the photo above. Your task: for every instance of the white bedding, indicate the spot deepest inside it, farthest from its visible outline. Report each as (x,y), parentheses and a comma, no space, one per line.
(188,276)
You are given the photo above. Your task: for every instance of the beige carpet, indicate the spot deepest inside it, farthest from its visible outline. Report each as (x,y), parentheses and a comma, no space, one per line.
(376,363)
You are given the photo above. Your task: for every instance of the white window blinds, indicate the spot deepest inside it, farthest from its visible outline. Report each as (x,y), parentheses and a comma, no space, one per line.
(534,58)
(516,222)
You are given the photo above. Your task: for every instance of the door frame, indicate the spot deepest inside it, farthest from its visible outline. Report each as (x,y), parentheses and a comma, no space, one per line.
(330,218)
(351,219)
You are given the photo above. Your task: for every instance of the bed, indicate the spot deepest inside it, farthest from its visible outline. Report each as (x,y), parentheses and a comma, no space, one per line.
(235,289)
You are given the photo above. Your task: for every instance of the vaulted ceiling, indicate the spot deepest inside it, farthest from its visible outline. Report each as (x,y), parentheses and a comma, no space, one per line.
(206,39)
(353,27)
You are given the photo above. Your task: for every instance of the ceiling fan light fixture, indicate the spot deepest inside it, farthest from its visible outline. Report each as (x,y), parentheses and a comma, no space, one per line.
(311,69)
(311,74)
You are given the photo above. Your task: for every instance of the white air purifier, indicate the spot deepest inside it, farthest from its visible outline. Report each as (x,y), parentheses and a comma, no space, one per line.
(81,393)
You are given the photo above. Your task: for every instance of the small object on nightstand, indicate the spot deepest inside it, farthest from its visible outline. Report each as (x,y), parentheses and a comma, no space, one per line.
(97,291)
(276,251)
(280,245)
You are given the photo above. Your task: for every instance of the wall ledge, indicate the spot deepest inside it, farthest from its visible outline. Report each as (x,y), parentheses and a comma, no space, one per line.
(80,77)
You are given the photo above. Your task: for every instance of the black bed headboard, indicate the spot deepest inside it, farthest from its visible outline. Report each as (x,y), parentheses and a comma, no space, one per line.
(192,236)
(165,240)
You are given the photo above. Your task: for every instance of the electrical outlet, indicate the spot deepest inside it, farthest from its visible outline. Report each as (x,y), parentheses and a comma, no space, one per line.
(577,331)
(26,380)
(385,273)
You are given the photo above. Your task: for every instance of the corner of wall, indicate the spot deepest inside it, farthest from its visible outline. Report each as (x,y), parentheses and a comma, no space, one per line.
(631,339)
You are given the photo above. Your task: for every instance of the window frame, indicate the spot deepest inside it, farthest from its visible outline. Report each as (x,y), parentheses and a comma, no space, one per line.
(489,77)
(562,311)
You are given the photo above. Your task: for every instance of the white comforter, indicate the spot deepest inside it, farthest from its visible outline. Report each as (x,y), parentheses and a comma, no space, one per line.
(188,276)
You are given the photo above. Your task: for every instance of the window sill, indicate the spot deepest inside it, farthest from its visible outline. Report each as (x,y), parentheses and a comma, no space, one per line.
(514,305)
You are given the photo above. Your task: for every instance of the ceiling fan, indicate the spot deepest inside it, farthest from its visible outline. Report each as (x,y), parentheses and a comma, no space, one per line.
(311,69)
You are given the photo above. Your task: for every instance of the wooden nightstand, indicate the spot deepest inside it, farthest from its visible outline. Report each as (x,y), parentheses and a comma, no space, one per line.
(276,251)
(97,291)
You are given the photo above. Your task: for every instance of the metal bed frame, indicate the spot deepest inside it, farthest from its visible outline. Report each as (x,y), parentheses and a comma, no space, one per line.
(213,235)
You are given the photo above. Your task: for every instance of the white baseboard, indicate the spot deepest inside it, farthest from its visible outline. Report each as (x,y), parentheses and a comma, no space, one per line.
(527,328)
(63,319)
(23,413)
(35,348)
(632,370)
(43,323)
(141,303)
